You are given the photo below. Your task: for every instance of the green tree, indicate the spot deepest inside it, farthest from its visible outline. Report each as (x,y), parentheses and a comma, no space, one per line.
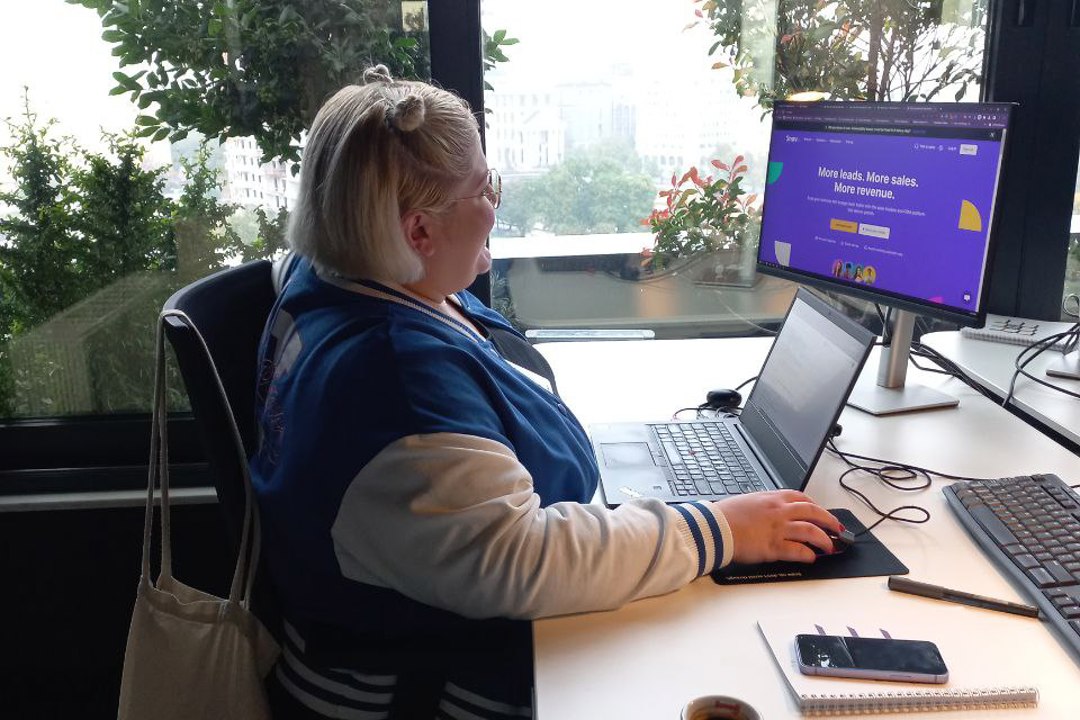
(517,211)
(258,68)
(122,214)
(40,251)
(79,225)
(599,190)
(204,238)
(853,49)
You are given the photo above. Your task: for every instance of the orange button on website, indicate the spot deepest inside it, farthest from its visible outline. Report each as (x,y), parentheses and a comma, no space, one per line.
(844,225)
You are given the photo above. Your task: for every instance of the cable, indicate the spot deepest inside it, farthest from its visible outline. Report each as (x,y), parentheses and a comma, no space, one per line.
(1073,335)
(1036,349)
(744,383)
(948,368)
(892,474)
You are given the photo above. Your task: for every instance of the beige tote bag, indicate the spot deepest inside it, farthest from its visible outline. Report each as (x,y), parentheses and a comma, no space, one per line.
(192,655)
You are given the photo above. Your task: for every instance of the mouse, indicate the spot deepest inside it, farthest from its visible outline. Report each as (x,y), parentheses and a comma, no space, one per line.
(841,543)
(723,399)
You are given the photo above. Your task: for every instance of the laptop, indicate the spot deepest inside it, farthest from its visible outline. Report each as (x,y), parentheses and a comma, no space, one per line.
(773,444)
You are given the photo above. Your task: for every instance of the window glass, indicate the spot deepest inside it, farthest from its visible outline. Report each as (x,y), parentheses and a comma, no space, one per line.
(123,178)
(633,144)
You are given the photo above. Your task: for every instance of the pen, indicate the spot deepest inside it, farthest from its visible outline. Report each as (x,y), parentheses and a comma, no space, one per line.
(913,587)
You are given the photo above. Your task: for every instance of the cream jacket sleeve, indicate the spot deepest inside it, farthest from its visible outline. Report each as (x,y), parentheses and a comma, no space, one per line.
(452,521)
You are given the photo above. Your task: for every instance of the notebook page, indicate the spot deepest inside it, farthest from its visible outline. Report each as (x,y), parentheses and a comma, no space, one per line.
(985,656)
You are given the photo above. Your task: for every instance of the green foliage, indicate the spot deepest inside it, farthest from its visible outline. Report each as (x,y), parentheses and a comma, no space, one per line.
(599,190)
(493,52)
(123,216)
(40,242)
(204,239)
(851,49)
(261,68)
(89,245)
(704,214)
(261,235)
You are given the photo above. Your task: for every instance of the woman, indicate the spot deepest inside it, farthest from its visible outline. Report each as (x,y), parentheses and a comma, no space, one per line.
(421,496)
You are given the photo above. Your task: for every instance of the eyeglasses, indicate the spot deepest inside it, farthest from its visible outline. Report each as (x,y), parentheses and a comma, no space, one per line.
(492,191)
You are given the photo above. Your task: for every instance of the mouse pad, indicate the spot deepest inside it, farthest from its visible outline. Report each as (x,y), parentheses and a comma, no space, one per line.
(868,557)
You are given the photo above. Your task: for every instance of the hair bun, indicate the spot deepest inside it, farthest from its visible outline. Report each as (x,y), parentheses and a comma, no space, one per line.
(408,114)
(379,73)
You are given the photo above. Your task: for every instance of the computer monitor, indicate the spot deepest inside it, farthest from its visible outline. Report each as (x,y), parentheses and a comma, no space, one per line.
(890,202)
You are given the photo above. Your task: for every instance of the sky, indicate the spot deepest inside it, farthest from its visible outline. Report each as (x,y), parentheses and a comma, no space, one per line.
(55,49)
(568,39)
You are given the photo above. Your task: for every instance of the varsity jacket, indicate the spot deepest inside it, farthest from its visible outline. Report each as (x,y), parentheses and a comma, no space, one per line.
(421,497)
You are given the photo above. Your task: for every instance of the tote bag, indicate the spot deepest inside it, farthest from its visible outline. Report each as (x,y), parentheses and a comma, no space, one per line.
(190,654)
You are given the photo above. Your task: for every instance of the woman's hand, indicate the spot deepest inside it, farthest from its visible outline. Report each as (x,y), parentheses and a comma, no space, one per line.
(769,526)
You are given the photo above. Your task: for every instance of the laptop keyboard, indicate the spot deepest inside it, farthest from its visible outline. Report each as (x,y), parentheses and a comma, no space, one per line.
(1030,526)
(705,459)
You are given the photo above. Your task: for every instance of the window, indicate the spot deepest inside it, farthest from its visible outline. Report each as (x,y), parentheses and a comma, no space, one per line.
(590,116)
(663,90)
(667,87)
(106,210)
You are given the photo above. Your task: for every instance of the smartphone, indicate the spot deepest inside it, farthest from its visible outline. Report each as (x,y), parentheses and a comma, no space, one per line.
(870,658)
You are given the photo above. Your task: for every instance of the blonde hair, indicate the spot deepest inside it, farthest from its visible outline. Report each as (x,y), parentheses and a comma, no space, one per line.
(376,151)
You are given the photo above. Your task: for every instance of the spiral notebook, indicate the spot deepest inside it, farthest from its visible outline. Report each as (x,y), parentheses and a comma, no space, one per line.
(1018,331)
(986,670)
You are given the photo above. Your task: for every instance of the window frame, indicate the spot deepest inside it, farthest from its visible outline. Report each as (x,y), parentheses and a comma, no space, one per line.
(1032,234)
(110,452)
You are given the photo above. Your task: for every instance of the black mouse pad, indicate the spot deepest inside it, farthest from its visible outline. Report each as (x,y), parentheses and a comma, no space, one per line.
(866,558)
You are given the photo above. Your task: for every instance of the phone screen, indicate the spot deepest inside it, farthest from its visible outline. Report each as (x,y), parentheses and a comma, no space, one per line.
(870,657)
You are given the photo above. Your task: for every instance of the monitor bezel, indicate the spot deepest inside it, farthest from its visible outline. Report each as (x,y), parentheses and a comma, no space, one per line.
(976,318)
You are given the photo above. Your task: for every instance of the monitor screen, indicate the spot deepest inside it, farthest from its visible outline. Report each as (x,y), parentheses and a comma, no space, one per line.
(892,202)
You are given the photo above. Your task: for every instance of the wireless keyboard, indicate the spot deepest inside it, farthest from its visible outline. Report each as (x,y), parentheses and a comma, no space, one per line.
(1030,526)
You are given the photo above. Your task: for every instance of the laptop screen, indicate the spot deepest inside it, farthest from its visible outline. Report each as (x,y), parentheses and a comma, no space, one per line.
(803,385)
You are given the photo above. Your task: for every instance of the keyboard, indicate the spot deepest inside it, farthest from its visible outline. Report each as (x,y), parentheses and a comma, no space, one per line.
(1030,526)
(705,459)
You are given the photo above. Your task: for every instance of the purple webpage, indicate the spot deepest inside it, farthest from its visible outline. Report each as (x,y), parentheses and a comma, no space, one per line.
(900,208)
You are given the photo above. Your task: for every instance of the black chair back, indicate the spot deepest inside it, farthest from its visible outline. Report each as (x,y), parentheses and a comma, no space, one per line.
(230,309)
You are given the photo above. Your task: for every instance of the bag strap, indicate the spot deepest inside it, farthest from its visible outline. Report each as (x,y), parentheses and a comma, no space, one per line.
(248,557)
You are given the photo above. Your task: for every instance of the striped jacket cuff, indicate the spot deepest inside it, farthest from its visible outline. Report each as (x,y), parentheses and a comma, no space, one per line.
(708,532)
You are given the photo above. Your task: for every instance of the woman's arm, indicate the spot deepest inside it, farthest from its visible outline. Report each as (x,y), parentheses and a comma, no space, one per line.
(451,520)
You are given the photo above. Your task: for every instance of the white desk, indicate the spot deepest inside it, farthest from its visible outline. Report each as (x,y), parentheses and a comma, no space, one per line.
(647,659)
(992,365)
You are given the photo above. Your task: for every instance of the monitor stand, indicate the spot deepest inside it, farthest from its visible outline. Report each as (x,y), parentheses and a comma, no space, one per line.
(889,394)
(1067,366)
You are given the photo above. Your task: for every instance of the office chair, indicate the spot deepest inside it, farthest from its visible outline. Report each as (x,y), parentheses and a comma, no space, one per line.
(229,308)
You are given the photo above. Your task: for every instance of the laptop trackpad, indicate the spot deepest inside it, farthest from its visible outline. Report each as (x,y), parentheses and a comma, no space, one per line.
(622,454)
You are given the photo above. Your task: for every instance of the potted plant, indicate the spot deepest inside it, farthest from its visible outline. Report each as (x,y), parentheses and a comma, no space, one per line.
(709,224)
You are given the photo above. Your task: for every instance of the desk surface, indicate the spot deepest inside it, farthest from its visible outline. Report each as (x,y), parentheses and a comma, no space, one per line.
(648,658)
(992,365)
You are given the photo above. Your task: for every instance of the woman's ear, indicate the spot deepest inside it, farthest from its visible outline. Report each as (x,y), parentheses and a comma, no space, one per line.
(415,225)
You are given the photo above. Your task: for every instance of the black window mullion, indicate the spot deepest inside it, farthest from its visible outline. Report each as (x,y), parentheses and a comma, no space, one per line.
(457,63)
(1033,59)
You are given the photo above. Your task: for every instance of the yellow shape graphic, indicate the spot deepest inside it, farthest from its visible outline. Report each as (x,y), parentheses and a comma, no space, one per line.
(970,219)
(843,225)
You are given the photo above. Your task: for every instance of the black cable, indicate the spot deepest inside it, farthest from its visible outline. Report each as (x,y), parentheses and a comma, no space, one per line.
(744,383)
(1038,348)
(892,474)
(948,368)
